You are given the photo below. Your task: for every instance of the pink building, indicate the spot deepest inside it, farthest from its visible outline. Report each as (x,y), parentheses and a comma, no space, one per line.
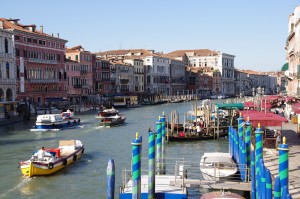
(39,62)
(102,76)
(85,79)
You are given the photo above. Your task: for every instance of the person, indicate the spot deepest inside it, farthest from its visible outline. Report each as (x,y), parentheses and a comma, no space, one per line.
(41,153)
(277,134)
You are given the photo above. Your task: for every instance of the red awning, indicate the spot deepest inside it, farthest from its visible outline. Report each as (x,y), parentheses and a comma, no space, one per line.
(265,119)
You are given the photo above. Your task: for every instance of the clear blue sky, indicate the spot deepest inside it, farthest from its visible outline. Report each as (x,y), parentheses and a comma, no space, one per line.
(254,31)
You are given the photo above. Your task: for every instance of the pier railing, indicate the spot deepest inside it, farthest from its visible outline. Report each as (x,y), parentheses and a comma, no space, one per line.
(188,174)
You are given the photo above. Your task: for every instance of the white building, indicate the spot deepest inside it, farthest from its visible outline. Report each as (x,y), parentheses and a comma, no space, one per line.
(157,75)
(138,65)
(7,74)
(214,59)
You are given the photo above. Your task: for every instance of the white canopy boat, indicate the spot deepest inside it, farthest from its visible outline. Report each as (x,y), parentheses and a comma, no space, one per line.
(214,166)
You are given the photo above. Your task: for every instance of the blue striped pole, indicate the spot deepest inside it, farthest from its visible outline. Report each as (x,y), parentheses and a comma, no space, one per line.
(230,141)
(163,141)
(284,164)
(262,179)
(236,146)
(288,196)
(258,152)
(158,146)
(277,188)
(284,192)
(136,168)
(240,139)
(253,189)
(151,164)
(248,142)
(110,173)
(268,184)
(244,165)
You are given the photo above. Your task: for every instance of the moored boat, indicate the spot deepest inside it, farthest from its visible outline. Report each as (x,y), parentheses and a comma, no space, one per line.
(221,194)
(49,161)
(216,166)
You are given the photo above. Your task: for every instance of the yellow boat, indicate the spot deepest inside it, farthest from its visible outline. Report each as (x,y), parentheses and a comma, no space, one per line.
(53,159)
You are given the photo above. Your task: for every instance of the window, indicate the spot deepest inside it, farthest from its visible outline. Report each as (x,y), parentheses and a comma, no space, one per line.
(34,41)
(58,57)
(49,43)
(17,52)
(76,57)
(40,42)
(6,45)
(29,40)
(7,70)
(17,37)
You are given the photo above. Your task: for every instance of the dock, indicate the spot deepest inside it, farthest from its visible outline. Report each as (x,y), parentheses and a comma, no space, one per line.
(289,130)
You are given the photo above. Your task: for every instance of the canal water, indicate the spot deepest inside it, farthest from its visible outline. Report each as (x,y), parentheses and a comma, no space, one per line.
(87,178)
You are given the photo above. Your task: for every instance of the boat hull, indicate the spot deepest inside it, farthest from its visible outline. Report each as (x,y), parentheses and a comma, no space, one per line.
(111,123)
(31,168)
(56,125)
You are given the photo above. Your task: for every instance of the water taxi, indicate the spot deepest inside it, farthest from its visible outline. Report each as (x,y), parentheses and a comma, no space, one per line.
(55,122)
(49,161)
(112,121)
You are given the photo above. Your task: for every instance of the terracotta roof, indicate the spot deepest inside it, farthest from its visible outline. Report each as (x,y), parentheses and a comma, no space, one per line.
(14,24)
(197,52)
(129,52)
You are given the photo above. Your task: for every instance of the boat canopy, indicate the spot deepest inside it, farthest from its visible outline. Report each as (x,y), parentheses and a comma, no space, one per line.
(229,106)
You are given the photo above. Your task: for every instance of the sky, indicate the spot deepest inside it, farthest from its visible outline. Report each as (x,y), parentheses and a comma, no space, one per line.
(255,31)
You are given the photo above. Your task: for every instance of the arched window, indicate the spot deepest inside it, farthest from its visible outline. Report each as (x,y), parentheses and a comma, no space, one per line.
(1,95)
(7,70)
(6,45)
(9,95)
(0,71)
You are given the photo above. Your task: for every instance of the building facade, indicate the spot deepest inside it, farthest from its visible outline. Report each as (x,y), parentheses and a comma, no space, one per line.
(39,63)
(138,65)
(178,77)
(7,74)
(84,58)
(293,53)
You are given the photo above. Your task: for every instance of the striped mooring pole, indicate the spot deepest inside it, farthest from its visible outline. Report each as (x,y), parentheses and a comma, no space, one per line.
(284,165)
(258,154)
(277,188)
(151,165)
(230,141)
(158,146)
(253,189)
(240,139)
(163,142)
(136,167)
(268,184)
(262,179)
(248,143)
(110,173)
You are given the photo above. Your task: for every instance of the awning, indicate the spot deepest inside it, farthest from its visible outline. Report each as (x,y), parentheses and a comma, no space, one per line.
(55,99)
(285,67)
(230,106)
(264,118)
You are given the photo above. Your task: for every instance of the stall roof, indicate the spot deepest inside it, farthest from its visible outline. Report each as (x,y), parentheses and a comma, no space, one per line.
(264,118)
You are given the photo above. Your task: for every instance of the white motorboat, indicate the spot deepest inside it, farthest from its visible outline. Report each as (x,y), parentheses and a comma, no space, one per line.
(216,166)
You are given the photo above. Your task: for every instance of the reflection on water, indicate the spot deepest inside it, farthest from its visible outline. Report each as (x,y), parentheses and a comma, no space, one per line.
(87,178)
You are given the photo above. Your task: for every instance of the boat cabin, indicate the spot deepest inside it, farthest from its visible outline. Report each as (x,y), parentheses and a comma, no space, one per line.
(49,118)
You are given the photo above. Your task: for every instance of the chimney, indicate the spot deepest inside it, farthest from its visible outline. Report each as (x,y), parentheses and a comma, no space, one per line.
(41,29)
(57,35)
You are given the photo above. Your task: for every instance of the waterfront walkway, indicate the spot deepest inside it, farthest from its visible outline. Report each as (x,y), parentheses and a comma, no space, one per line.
(289,130)
(11,120)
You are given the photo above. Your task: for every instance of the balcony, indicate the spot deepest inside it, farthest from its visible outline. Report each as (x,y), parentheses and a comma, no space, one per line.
(6,55)
(83,72)
(43,81)
(124,81)
(7,81)
(42,61)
